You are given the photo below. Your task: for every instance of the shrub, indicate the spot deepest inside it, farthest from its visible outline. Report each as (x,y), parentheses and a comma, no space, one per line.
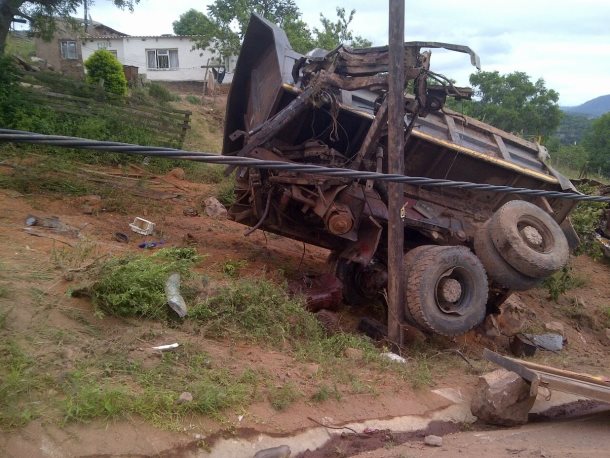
(160,92)
(135,285)
(192,99)
(103,66)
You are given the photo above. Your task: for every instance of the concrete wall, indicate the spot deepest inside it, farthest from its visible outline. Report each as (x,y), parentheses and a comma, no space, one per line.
(132,51)
(51,52)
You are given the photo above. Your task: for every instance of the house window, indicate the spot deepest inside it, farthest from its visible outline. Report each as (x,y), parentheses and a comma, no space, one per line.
(162,58)
(68,49)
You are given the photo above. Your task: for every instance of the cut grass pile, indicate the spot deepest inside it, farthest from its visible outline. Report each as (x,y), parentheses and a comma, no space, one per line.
(135,285)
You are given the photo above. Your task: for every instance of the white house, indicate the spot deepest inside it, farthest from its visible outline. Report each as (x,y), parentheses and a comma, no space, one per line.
(160,58)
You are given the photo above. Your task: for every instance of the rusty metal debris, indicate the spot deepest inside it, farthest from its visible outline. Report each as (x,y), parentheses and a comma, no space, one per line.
(331,109)
(590,386)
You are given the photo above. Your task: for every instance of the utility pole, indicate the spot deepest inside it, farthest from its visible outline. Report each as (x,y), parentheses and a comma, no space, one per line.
(396,136)
(86,22)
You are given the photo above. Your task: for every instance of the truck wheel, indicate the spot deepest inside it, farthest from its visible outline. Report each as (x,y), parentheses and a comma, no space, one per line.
(352,275)
(411,258)
(447,290)
(529,239)
(497,268)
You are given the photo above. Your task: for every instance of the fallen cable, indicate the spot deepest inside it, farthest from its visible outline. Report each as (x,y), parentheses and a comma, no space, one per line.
(18,136)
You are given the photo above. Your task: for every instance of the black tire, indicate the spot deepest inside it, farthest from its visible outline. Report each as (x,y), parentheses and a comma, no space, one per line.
(537,260)
(348,273)
(408,261)
(426,284)
(498,270)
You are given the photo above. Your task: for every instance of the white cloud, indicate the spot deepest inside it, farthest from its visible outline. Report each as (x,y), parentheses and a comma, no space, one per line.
(564,43)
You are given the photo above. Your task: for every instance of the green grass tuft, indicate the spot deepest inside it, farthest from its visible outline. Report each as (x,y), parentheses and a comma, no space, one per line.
(282,396)
(256,310)
(135,285)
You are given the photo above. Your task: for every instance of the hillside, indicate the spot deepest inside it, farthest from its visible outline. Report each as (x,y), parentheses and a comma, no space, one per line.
(592,108)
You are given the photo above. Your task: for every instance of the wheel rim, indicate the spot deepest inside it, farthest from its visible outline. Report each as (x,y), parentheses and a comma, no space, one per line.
(535,234)
(453,291)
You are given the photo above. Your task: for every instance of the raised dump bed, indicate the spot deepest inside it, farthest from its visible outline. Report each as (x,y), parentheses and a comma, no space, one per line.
(465,251)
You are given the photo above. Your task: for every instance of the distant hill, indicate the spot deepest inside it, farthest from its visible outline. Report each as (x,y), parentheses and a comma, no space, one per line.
(592,108)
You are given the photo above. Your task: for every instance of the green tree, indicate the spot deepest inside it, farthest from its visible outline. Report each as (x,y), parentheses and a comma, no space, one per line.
(194,22)
(514,103)
(42,14)
(284,13)
(103,67)
(332,34)
(597,142)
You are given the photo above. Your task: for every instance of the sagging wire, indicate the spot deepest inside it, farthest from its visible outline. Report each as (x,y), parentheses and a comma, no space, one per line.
(15,136)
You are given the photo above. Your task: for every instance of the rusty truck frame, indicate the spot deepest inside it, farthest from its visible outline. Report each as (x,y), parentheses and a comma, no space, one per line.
(465,251)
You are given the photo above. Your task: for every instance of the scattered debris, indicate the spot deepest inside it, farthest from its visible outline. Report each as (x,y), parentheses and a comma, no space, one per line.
(151,244)
(551,378)
(522,346)
(283,451)
(394,357)
(214,208)
(121,237)
(502,398)
(174,298)
(185,397)
(190,211)
(433,441)
(604,243)
(550,342)
(142,226)
(53,223)
(168,347)
(321,291)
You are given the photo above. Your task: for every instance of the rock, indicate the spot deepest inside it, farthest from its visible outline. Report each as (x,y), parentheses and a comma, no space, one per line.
(185,397)
(214,208)
(433,441)
(353,353)
(190,211)
(177,173)
(555,326)
(502,398)
(512,316)
(283,451)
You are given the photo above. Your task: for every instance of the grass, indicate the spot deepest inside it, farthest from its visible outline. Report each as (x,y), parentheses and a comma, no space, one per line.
(282,396)
(561,282)
(5,292)
(135,285)
(193,99)
(231,268)
(256,310)
(152,393)
(324,393)
(21,382)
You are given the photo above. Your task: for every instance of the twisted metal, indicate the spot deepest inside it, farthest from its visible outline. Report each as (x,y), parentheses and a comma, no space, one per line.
(19,136)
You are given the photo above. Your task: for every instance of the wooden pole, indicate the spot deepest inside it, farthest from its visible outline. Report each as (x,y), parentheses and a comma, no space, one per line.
(396,113)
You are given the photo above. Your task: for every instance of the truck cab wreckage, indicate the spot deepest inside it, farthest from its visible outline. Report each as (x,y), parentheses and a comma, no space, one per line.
(465,250)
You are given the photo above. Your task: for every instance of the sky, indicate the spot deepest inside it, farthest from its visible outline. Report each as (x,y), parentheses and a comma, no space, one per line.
(566,43)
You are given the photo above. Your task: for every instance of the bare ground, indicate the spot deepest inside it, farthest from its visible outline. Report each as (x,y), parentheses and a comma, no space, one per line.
(60,332)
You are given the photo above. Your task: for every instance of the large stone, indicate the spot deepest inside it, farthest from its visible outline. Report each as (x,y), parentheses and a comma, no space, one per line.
(433,441)
(510,320)
(214,208)
(502,398)
(555,326)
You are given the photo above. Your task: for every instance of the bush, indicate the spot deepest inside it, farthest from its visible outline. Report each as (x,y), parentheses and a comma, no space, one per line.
(135,285)
(103,66)
(160,92)
(192,99)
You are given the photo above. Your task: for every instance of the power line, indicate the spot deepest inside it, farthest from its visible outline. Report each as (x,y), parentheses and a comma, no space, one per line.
(18,136)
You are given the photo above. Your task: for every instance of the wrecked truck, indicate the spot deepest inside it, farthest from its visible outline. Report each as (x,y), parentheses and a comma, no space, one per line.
(465,251)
